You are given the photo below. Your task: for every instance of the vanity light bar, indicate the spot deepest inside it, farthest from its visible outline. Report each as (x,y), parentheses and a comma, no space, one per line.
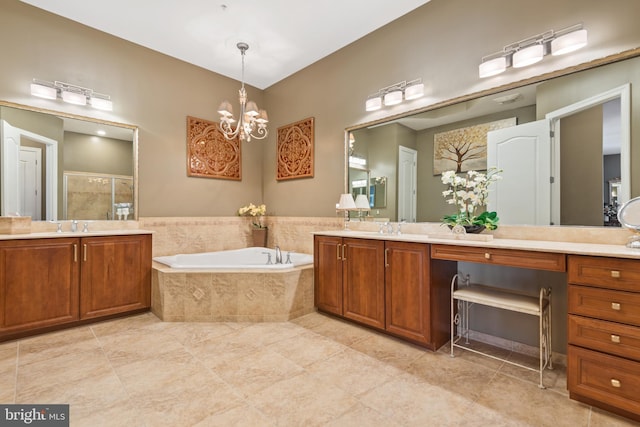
(531,50)
(72,94)
(394,94)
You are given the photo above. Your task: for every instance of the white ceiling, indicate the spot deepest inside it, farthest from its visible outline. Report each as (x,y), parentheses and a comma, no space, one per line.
(284,36)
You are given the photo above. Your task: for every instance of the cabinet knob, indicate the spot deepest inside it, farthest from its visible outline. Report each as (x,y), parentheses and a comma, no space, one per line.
(615,306)
(615,383)
(615,274)
(487,255)
(615,339)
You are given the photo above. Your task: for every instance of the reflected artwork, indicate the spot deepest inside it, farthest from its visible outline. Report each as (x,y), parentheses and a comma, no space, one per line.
(465,149)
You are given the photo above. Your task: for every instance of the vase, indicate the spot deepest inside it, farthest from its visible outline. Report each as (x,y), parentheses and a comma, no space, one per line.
(259,236)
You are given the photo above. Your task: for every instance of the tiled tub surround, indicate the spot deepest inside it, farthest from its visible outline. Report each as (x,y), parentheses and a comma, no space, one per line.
(231,296)
(245,296)
(190,235)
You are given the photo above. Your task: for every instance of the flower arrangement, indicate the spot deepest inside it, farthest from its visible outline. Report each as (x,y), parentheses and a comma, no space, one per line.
(254,211)
(469,193)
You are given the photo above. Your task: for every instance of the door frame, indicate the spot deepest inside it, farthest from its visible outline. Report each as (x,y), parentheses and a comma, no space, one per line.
(624,93)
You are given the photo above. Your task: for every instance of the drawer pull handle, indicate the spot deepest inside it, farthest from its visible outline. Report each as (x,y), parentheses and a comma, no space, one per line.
(386,257)
(615,306)
(487,255)
(615,383)
(615,339)
(338,252)
(615,274)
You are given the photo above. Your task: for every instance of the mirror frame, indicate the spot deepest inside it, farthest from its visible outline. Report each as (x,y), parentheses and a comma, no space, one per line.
(628,54)
(93,120)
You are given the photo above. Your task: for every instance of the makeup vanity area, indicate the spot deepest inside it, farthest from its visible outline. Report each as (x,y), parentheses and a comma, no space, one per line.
(400,284)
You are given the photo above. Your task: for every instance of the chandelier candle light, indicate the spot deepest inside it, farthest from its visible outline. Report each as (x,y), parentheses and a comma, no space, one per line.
(252,122)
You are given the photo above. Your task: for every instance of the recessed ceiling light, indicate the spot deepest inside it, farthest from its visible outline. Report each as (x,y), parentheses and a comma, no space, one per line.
(101,132)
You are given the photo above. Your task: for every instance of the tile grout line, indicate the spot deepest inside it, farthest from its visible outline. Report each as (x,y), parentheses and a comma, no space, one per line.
(124,388)
(15,381)
(236,393)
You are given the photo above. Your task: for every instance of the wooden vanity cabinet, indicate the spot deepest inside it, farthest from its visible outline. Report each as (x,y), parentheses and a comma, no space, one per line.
(349,278)
(47,284)
(115,273)
(39,284)
(603,357)
(387,285)
(327,271)
(363,281)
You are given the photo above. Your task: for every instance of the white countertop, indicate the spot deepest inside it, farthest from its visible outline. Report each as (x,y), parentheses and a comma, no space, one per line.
(54,235)
(593,249)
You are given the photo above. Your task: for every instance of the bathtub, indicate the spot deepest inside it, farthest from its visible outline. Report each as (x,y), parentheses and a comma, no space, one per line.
(247,258)
(232,286)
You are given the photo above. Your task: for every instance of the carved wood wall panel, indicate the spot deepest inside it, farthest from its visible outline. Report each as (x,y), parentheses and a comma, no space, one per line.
(209,153)
(295,150)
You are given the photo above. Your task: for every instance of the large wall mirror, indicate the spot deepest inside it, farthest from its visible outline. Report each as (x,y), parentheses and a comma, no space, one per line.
(583,167)
(56,166)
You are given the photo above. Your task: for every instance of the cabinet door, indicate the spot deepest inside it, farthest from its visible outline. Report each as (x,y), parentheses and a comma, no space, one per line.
(363,281)
(38,283)
(407,290)
(115,275)
(328,273)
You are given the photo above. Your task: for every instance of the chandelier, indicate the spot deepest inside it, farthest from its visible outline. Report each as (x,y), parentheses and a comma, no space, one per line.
(252,123)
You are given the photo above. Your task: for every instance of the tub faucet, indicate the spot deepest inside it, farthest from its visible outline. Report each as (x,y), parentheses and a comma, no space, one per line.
(278,255)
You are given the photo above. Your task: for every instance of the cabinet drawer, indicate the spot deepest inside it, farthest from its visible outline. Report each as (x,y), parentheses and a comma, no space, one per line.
(608,379)
(609,337)
(617,306)
(507,257)
(612,273)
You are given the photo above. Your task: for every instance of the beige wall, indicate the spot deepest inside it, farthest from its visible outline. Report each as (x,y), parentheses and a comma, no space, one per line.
(581,166)
(90,153)
(150,90)
(442,42)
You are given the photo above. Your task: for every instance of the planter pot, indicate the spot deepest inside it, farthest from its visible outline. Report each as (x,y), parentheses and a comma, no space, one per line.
(471,229)
(259,236)
(474,229)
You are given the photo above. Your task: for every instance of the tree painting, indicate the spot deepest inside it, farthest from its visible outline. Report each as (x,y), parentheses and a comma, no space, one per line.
(464,149)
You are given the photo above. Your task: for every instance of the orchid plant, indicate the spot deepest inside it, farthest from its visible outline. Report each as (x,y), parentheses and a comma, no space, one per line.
(257,212)
(469,194)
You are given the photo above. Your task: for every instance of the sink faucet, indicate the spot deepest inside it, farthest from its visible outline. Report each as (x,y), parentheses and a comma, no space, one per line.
(74,226)
(399,229)
(278,255)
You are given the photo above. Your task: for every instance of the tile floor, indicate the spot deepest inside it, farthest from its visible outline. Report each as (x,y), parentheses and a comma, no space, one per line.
(313,371)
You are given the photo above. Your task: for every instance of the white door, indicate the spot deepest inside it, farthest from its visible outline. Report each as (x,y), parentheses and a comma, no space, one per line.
(10,140)
(407,183)
(10,194)
(30,182)
(523,195)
